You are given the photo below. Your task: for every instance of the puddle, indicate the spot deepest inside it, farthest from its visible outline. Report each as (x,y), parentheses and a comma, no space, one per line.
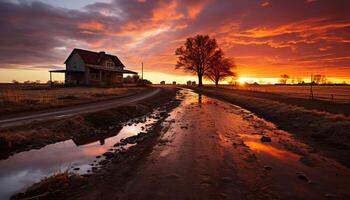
(26,168)
(268,148)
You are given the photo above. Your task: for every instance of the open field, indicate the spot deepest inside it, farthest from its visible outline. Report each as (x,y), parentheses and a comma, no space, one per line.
(18,98)
(340,94)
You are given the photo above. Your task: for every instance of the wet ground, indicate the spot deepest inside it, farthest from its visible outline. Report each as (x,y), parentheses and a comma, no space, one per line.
(214,150)
(208,149)
(81,155)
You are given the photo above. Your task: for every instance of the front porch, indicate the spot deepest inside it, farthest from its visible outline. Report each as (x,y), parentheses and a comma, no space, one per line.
(93,75)
(103,77)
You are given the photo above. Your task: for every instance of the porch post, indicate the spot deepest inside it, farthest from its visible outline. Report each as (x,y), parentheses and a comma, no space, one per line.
(51,79)
(100,77)
(87,76)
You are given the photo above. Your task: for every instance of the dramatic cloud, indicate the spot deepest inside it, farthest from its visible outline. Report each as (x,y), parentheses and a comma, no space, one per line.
(266,38)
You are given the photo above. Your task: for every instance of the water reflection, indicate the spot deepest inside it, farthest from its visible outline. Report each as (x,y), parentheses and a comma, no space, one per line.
(270,148)
(87,139)
(199,99)
(26,168)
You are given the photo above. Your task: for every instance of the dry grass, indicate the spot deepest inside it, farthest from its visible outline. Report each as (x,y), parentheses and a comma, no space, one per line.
(53,186)
(339,94)
(14,98)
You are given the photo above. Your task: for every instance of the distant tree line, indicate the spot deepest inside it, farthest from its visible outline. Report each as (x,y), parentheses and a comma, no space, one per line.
(202,56)
(136,79)
(317,79)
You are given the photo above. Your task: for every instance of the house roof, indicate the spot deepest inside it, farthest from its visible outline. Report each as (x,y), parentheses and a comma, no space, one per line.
(94,58)
(100,67)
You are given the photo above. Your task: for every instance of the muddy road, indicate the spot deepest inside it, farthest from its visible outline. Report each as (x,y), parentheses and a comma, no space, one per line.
(210,149)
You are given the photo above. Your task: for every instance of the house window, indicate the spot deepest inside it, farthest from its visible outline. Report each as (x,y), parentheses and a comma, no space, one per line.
(110,64)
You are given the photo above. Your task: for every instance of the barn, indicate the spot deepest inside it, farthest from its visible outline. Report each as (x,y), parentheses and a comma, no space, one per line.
(85,67)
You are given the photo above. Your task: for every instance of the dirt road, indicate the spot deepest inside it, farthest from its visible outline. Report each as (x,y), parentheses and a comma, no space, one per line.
(21,119)
(213,150)
(209,149)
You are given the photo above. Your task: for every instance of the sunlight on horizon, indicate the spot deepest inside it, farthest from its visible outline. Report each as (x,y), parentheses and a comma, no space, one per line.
(21,75)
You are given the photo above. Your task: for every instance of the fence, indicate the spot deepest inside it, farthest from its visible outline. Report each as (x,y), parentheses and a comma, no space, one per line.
(336,94)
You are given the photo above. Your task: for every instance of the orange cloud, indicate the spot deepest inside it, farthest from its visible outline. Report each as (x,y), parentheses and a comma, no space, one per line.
(92,25)
(166,12)
(265,4)
(195,9)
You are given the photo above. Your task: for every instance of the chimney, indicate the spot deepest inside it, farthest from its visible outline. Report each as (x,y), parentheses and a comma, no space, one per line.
(101,54)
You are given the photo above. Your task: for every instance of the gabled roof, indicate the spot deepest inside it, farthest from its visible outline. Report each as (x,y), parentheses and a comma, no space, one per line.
(93,58)
(122,71)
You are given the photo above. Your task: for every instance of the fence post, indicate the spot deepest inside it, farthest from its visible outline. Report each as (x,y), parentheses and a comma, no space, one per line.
(311,89)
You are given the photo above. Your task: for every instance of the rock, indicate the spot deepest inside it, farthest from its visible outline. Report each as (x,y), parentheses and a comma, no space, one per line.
(103,162)
(76,169)
(265,139)
(117,145)
(303,177)
(108,155)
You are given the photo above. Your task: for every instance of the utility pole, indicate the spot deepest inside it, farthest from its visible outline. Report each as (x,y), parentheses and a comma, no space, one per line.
(141,70)
(311,89)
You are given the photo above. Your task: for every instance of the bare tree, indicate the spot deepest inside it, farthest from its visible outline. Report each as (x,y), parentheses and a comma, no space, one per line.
(300,81)
(220,68)
(319,79)
(283,79)
(196,55)
(136,78)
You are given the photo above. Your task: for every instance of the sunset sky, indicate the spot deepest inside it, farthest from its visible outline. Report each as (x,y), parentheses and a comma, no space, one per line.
(266,38)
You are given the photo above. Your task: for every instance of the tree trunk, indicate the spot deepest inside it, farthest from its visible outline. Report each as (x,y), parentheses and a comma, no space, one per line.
(200,84)
(216,83)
